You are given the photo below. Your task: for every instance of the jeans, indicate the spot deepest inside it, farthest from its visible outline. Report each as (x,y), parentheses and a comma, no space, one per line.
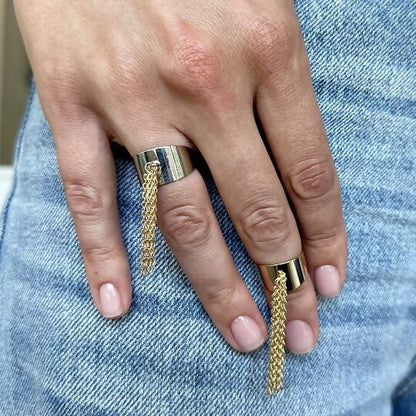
(58,356)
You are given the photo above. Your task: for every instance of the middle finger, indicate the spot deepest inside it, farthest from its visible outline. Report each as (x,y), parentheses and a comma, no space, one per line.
(188,223)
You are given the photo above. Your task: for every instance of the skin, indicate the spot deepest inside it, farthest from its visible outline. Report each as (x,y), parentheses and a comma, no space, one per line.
(154,73)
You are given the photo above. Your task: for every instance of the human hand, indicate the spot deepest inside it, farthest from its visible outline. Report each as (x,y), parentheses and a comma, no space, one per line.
(154,73)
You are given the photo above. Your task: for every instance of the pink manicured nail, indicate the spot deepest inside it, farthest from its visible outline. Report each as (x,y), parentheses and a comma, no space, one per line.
(247,333)
(299,337)
(327,281)
(110,301)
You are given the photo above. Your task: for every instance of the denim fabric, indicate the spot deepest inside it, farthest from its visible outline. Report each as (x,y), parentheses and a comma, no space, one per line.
(59,357)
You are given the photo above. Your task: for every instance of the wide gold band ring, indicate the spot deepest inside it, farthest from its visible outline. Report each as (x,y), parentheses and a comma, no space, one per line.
(175,163)
(294,269)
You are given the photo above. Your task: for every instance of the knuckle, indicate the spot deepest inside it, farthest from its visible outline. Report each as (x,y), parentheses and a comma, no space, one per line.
(186,225)
(313,179)
(100,253)
(193,65)
(86,202)
(324,237)
(274,41)
(220,295)
(265,222)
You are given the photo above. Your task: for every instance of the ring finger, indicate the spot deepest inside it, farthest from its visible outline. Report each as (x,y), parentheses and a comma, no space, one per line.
(254,196)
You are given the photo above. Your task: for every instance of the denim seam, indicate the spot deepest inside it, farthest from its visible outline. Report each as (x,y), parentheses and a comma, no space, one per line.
(16,161)
(409,385)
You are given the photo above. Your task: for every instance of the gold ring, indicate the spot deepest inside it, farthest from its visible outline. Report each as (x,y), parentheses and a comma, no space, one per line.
(156,167)
(279,279)
(294,269)
(174,161)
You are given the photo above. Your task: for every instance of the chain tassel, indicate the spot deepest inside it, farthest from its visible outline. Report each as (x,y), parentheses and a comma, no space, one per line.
(279,296)
(149,216)
(277,334)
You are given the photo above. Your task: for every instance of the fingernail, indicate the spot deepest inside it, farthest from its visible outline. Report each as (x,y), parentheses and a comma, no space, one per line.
(327,281)
(247,333)
(299,337)
(110,301)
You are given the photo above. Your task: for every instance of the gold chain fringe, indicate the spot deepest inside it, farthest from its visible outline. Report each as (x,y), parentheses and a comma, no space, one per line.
(149,217)
(279,296)
(277,334)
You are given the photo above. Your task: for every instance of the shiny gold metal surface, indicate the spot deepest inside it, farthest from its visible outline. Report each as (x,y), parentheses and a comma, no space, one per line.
(294,269)
(157,167)
(280,278)
(149,217)
(277,335)
(175,163)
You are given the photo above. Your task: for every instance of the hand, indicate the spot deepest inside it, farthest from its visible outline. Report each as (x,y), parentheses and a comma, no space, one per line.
(153,73)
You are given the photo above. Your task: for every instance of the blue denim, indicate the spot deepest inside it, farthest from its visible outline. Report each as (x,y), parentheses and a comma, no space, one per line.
(59,357)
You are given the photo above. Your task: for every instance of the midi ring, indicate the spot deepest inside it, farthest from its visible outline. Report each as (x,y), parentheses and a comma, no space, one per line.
(294,269)
(156,167)
(279,279)
(174,161)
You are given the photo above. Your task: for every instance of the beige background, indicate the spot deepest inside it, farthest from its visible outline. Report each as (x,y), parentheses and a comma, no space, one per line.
(14,80)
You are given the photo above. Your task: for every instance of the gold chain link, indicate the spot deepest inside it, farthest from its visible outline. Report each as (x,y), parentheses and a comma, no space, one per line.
(277,334)
(279,296)
(149,217)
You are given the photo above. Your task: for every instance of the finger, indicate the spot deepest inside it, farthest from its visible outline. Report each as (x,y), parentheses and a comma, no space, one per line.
(88,174)
(255,199)
(300,335)
(189,225)
(293,126)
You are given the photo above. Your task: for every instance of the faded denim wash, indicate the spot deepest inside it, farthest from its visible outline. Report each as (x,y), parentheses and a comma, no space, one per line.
(59,357)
